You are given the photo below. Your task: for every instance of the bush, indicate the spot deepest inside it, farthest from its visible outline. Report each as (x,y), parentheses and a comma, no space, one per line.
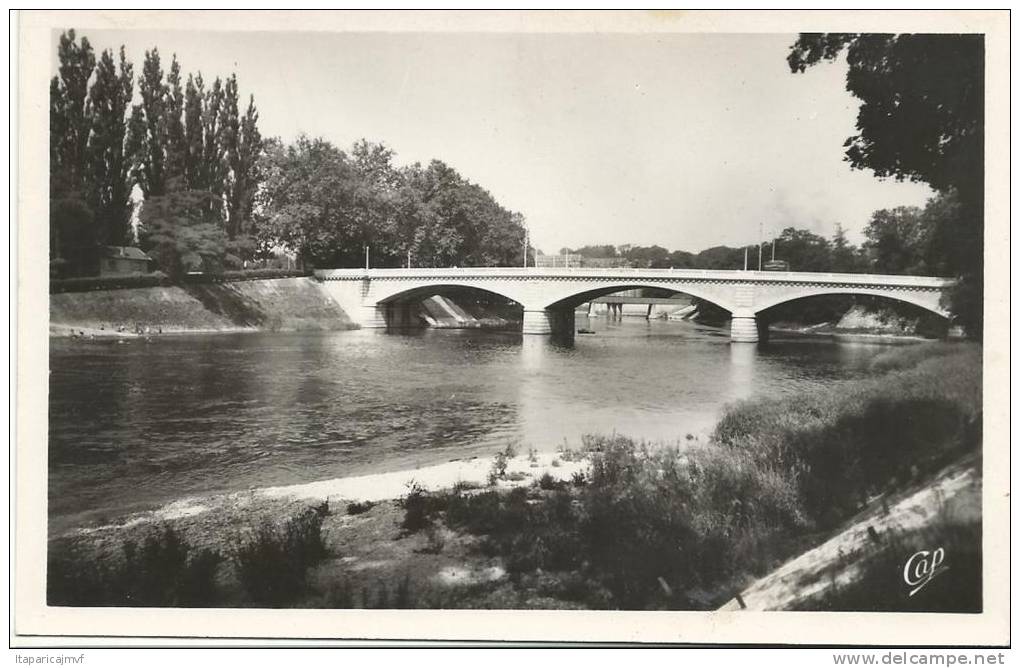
(500,463)
(419,508)
(243,275)
(158,278)
(163,571)
(273,563)
(549,483)
(841,446)
(89,283)
(359,507)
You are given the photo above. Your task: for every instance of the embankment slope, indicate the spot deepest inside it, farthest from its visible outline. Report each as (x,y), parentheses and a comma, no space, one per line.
(274,304)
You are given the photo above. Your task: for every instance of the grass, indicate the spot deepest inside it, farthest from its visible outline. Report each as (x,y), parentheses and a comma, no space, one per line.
(272,562)
(683,527)
(881,588)
(162,571)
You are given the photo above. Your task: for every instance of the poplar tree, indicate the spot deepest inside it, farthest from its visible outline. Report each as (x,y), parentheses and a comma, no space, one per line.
(194,173)
(69,113)
(148,129)
(242,144)
(72,230)
(177,143)
(108,164)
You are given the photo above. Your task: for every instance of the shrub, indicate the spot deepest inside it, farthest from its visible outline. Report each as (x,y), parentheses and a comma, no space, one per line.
(547,482)
(500,462)
(841,446)
(158,278)
(89,283)
(272,564)
(359,507)
(163,571)
(419,508)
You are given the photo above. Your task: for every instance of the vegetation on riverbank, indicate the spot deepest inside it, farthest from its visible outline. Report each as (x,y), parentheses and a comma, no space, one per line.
(643,527)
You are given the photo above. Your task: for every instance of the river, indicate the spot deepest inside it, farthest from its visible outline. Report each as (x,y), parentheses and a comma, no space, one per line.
(140,423)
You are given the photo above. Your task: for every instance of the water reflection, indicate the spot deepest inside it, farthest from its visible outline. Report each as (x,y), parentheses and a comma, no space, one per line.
(742,359)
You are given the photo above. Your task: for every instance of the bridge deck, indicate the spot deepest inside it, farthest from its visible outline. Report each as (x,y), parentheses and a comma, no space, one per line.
(633,274)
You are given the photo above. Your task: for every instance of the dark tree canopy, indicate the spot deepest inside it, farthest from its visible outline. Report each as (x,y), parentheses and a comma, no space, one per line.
(922,119)
(922,111)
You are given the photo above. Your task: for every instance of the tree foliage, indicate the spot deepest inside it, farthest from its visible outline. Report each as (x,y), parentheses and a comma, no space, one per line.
(921,118)
(182,233)
(328,205)
(109,165)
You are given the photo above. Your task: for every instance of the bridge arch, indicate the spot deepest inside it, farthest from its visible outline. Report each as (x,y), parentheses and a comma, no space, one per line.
(572,298)
(401,291)
(916,298)
(426,291)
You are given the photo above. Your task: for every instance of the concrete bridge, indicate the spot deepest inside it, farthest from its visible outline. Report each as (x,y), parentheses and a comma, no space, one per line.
(548,296)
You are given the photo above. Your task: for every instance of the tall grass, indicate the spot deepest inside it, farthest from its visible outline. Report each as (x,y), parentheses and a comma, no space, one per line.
(671,527)
(272,564)
(880,586)
(163,570)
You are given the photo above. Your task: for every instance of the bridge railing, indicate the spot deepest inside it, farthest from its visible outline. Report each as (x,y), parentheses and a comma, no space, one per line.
(634,273)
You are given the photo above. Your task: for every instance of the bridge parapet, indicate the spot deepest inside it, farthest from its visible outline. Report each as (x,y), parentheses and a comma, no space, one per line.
(632,273)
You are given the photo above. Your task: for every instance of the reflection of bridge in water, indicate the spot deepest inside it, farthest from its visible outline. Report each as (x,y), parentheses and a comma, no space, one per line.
(548,296)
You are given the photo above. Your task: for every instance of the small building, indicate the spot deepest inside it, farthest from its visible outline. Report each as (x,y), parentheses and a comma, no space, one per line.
(122,260)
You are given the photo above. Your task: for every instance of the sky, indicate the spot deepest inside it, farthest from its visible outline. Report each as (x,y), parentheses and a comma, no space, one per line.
(683,140)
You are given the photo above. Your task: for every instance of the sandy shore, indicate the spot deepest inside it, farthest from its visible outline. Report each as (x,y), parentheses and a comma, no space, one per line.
(374,487)
(77,331)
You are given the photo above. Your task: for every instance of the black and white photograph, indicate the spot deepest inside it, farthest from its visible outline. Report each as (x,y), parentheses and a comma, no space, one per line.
(595,313)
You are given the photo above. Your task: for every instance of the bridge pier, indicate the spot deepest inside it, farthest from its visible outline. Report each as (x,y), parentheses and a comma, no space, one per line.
(743,328)
(548,321)
(372,317)
(537,321)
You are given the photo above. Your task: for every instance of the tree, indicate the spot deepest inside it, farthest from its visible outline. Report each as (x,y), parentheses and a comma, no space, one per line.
(306,200)
(194,171)
(109,164)
(922,119)
(897,241)
(148,129)
(242,144)
(804,250)
(328,205)
(69,114)
(845,257)
(647,256)
(72,224)
(720,257)
(180,233)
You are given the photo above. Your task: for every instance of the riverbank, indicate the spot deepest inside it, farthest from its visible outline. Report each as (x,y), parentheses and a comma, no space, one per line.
(282,304)
(590,529)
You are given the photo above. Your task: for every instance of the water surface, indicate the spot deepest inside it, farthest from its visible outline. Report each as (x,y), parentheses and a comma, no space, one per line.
(135,424)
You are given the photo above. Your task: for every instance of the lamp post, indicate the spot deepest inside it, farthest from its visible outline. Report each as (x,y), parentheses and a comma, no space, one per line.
(527,242)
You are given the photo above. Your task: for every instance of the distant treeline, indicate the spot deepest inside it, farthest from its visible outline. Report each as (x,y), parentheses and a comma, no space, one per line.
(217,196)
(904,240)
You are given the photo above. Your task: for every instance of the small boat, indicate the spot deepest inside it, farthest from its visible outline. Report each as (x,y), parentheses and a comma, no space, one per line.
(585,330)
